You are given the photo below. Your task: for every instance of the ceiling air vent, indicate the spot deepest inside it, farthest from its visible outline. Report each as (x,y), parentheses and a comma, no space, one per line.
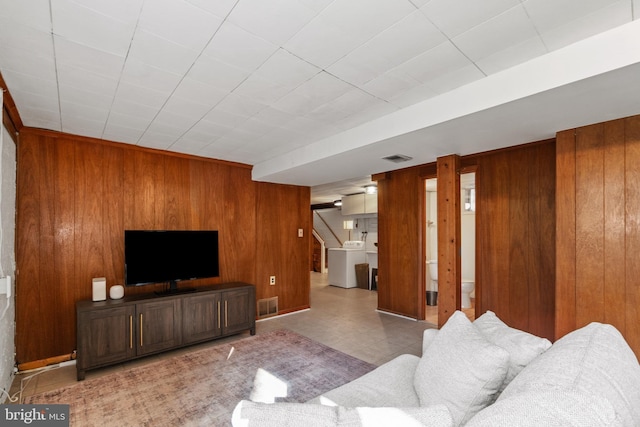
(397,158)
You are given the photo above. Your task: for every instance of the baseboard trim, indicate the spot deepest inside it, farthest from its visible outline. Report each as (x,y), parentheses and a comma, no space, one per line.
(42,363)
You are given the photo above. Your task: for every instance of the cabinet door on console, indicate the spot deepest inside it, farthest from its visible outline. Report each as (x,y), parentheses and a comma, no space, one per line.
(238,310)
(159,325)
(105,336)
(200,317)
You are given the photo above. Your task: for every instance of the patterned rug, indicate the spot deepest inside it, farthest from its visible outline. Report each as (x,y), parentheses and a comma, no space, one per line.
(203,387)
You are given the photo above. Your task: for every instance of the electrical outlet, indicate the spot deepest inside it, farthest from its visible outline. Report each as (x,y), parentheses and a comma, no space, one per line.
(300,232)
(272,280)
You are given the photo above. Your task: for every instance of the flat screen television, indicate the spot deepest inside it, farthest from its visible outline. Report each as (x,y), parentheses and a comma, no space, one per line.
(169,256)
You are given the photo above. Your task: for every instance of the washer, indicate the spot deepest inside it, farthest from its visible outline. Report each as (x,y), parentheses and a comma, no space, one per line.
(342,263)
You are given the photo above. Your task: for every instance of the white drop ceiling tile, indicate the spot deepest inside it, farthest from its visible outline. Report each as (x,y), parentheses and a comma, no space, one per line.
(548,15)
(114,132)
(220,8)
(158,52)
(275,21)
(209,129)
(88,27)
(273,116)
(180,22)
(34,100)
(237,105)
(41,118)
(261,90)
(164,127)
(130,97)
(373,112)
(33,41)
(455,78)
(447,15)
(419,3)
(75,94)
(225,118)
(125,11)
(257,127)
(411,36)
(327,113)
(197,91)
(83,127)
(354,101)
(417,94)
(322,43)
(216,73)
(33,13)
(188,146)
(317,5)
(175,123)
(505,30)
(71,111)
(387,85)
(195,136)
(286,70)
(511,56)
(137,73)
(308,126)
(186,107)
(238,47)
(349,71)
(28,64)
(72,54)
(156,139)
(19,82)
(320,89)
(434,63)
(129,121)
(584,26)
(363,19)
(88,81)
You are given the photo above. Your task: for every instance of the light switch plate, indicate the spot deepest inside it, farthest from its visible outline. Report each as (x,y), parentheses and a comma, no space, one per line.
(5,286)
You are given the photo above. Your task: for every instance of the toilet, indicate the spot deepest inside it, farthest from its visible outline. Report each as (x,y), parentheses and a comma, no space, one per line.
(467,287)
(433,273)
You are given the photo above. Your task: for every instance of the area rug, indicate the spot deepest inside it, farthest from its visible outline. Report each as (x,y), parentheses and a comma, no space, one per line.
(203,387)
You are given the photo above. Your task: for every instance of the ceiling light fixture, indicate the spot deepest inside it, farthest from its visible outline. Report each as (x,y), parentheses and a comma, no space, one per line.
(337,202)
(370,189)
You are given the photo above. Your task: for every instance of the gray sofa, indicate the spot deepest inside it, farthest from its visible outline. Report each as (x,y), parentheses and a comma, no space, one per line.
(481,374)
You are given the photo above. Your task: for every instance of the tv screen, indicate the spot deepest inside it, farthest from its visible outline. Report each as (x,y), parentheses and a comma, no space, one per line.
(154,256)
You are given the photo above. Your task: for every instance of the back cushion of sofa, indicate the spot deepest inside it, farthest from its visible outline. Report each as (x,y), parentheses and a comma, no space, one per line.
(594,360)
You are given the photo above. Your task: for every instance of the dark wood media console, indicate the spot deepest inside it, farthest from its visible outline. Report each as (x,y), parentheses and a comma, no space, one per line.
(114,331)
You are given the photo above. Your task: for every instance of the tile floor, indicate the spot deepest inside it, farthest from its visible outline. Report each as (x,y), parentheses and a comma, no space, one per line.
(345,319)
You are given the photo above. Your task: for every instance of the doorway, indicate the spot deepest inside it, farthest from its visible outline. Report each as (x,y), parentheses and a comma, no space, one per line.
(468,245)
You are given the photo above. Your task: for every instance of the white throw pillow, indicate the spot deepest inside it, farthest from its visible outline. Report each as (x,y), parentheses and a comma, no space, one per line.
(460,369)
(522,346)
(248,414)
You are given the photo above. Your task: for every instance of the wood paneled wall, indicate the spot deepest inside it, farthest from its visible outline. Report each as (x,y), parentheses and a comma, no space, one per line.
(76,196)
(515,236)
(282,253)
(598,228)
(401,206)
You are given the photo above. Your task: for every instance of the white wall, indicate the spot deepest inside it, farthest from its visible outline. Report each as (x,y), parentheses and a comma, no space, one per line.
(334,218)
(467,234)
(7,257)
